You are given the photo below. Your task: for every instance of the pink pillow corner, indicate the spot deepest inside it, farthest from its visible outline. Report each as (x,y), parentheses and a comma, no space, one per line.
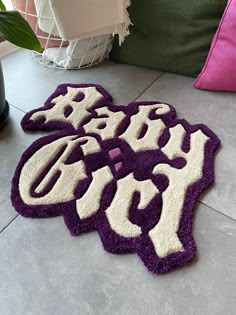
(219,71)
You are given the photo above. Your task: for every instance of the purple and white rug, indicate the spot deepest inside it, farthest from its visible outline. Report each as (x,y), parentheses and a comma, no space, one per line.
(133,173)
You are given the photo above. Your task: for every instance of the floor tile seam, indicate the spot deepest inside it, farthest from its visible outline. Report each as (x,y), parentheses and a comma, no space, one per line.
(18,108)
(9,223)
(149,85)
(217,211)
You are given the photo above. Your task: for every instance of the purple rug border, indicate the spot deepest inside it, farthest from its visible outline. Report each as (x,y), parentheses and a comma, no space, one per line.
(111,241)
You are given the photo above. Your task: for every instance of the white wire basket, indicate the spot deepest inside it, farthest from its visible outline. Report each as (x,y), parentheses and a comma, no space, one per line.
(59,53)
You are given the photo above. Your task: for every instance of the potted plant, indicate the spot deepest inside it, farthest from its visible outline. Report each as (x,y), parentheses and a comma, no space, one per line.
(15,29)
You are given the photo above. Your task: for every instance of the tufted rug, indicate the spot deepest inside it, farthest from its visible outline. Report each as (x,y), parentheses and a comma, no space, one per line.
(133,172)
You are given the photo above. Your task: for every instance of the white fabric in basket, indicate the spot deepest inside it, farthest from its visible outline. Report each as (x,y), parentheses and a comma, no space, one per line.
(46,21)
(83,18)
(81,52)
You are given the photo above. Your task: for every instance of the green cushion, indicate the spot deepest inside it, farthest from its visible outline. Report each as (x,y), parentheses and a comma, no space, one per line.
(170,35)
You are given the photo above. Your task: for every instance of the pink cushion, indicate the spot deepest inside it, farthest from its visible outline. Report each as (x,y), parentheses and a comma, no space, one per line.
(219,72)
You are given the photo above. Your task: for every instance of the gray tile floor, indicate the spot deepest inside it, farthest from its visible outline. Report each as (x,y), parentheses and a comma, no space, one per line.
(43,270)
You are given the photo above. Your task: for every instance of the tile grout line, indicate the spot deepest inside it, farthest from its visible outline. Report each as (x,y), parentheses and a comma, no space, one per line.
(156,79)
(18,108)
(9,224)
(217,211)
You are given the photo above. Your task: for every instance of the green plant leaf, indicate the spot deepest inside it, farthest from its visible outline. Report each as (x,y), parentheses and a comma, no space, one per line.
(15,29)
(2,6)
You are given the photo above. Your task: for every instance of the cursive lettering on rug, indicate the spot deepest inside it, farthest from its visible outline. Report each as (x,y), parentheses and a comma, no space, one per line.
(133,173)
